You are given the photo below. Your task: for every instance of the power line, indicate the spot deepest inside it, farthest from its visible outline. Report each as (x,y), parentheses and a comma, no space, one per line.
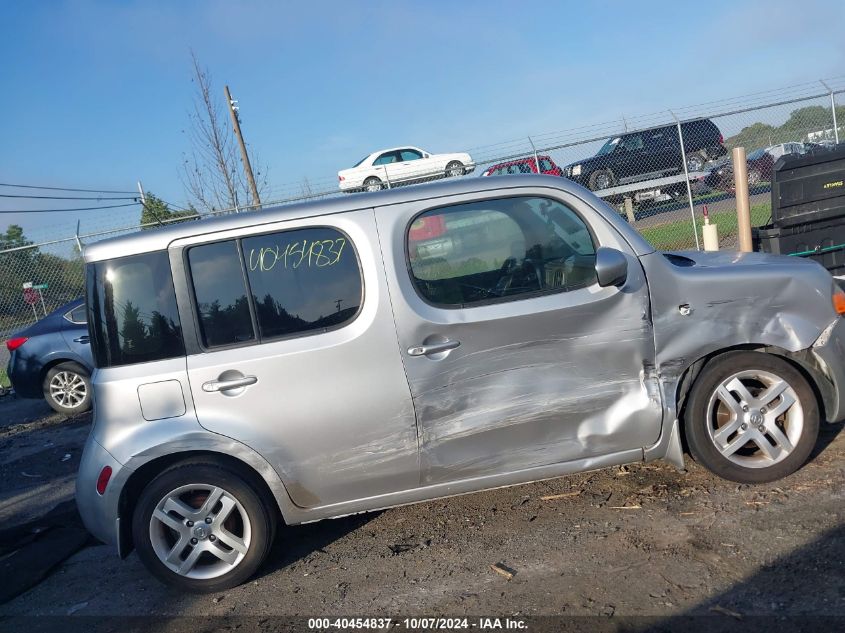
(8,184)
(113,206)
(11,195)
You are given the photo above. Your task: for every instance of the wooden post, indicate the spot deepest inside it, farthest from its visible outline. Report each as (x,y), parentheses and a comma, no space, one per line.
(629,210)
(236,125)
(743,206)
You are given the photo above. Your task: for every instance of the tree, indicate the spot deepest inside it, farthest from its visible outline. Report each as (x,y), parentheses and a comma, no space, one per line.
(156,211)
(211,171)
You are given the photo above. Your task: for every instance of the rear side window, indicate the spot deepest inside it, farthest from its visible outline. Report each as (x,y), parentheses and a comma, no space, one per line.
(132,312)
(220,292)
(302,281)
(77,315)
(498,250)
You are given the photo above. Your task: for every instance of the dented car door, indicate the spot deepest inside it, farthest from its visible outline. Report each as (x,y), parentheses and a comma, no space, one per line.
(515,356)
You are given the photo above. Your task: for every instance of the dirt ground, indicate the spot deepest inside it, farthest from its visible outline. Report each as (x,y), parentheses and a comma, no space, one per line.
(639,540)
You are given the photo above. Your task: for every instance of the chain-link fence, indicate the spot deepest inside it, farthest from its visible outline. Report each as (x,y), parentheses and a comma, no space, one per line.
(661,172)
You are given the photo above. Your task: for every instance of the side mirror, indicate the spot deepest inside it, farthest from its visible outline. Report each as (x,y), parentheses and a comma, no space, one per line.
(611,267)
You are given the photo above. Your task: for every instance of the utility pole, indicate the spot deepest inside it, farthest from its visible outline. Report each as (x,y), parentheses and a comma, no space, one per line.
(236,125)
(144,204)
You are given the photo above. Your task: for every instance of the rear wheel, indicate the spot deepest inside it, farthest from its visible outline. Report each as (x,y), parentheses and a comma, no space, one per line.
(754,177)
(751,417)
(67,388)
(202,526)
(372,184)
(455,168)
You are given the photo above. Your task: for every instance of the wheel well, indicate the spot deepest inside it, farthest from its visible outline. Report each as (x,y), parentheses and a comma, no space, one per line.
(145,474)
(802,361)
(58,361)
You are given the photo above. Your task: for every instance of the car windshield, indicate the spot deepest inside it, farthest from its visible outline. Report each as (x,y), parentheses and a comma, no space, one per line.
(361,161)
(608,147)
(756,154)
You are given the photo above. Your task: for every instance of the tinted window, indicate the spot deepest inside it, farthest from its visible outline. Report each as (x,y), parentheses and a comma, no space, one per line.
(77,315)
(220,293)
(385,159)
(132,310)
(632,142)
(546,164)
(495,249)
(410,154)
(302,281)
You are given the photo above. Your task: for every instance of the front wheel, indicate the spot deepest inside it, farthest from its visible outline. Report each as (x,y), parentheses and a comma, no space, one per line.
(372,184)
(601,179)
(455,168)
(696,161)
(751,417)
(202,527)
(67,388)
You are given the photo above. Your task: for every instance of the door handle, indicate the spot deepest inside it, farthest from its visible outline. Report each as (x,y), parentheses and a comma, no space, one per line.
(434,348)
(81,339)
(225,385)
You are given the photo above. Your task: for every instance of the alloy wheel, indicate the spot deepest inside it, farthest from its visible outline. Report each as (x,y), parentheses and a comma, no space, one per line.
(200,531)
(755,418)
(68,389)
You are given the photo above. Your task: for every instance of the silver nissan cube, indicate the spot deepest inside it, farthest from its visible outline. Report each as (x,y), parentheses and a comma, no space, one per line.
(340,356)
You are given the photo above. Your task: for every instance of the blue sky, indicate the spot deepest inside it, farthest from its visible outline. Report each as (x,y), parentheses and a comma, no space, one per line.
(96,94)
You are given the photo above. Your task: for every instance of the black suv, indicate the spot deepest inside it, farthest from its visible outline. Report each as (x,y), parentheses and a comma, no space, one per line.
(648,154)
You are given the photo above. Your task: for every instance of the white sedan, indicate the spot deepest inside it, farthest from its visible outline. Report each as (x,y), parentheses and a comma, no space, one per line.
(402,165)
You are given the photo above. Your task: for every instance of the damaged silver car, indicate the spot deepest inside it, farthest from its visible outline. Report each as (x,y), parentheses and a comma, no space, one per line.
(341,356)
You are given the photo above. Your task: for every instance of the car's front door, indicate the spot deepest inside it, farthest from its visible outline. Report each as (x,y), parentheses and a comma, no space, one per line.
(295,355)
(515,357)
(411,165)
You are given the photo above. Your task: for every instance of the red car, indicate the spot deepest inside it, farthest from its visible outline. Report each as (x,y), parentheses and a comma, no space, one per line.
(525,166)
(759,162)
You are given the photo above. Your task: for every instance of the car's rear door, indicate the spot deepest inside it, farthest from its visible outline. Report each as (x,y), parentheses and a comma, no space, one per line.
(515,357)
(293,352)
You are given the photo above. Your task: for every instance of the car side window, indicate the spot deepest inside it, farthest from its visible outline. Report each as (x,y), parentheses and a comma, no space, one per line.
(545,165)
(632,142)
(220,293)
(77,316)
(409,154)
(302,281)
(386,159)
(496,250)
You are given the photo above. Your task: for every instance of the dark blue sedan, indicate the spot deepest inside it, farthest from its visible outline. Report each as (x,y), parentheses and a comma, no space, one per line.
(51,359)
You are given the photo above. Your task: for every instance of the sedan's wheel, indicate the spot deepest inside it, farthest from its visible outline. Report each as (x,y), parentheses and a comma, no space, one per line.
(695,162)
(372,184)
(751,417)
(202,527)
(67,388)
(754,177)
(454,168)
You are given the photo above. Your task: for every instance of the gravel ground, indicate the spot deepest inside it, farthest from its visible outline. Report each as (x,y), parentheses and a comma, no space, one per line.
(639,540)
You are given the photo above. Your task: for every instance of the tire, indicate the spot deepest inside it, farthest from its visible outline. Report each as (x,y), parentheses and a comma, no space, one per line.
(754,177)
(67,388)
(455,168)
(696,161)
(601,179)
(741,440)
(373,184)
(214,556)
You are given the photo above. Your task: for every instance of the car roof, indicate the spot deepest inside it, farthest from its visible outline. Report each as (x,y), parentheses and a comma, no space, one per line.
(160,238)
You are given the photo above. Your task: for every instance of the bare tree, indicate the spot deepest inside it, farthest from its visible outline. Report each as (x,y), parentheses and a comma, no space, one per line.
(211,171)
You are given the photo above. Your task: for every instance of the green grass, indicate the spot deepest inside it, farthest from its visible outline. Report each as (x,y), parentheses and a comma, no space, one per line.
(678,235)
(4,378)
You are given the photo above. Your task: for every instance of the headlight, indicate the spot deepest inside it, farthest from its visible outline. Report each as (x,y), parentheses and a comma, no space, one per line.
(576,170)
